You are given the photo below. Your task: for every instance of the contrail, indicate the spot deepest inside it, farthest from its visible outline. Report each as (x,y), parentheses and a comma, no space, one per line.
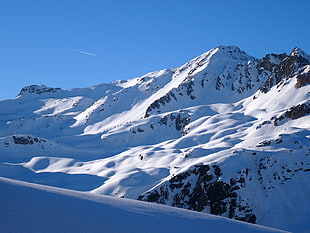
(83,52)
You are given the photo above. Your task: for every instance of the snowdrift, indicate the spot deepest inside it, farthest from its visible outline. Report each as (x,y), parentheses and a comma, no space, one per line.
(27,207)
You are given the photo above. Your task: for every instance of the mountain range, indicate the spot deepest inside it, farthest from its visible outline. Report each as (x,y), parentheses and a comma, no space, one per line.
(226,134)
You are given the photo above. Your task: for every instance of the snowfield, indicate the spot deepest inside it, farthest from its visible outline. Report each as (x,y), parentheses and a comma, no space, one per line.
(226,134)
(34,208)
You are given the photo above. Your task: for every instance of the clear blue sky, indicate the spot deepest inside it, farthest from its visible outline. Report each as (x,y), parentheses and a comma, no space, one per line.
(42,42)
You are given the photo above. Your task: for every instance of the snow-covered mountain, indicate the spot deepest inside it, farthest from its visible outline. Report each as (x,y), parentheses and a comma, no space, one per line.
(225,133)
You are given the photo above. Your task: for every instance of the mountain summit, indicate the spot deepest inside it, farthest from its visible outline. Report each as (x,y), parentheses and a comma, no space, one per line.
(225,133)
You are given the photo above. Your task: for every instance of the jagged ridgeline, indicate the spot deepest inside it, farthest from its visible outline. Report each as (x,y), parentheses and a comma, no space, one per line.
(225,133)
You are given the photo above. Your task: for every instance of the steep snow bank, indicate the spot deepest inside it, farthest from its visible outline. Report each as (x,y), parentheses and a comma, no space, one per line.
(28,207)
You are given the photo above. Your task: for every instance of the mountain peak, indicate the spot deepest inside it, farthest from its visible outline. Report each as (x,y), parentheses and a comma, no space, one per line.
(300,53)
(229,48)
(234,52)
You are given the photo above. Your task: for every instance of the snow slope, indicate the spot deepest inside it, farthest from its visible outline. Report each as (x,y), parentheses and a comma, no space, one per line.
(226,134)
(28,208)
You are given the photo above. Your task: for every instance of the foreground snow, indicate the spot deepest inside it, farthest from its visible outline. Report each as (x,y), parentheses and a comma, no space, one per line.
(34,208)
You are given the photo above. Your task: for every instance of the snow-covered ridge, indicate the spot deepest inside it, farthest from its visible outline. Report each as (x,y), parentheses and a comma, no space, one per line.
(223,124)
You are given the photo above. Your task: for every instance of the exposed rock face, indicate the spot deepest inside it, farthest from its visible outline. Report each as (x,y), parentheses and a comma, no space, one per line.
(179,120)
(270,61)
(200,188)
(161,101)
(27,140)
(38,89)
(284,70)
(298,111)
(289,65)
(295,112)
(303,79)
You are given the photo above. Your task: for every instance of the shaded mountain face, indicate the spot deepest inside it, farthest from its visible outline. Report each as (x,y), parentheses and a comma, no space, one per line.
(225,133)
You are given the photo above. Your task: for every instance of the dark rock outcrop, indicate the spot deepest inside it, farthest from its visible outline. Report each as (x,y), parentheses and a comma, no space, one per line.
(161,101)
(201,188)
(303,79)
(298,111)
(284,70)
(179,120)
(27,140)
(266,62)
(293,113)
(38,89)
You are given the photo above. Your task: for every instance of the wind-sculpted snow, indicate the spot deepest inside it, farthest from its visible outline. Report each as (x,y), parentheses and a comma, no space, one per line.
(225,133)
